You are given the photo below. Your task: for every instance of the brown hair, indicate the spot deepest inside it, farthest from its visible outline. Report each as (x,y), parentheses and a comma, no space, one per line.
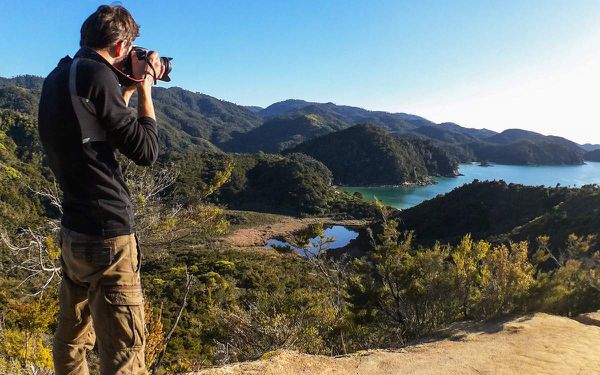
(108,25)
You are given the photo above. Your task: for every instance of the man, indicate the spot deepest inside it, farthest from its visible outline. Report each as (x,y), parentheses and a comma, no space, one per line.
(83,119)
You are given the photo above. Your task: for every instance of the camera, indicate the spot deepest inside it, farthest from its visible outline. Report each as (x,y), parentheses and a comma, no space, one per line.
(142,54)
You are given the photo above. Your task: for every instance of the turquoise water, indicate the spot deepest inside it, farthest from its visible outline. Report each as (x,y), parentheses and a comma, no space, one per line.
(341,237)
(565,175)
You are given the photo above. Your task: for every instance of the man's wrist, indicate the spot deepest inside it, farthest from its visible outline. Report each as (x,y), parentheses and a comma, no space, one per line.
(145,86)
(128,89)
(127,93)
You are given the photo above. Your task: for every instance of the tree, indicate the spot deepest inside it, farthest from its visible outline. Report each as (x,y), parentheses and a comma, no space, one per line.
(24,332)
(470,272)
(159,218)
(402,291)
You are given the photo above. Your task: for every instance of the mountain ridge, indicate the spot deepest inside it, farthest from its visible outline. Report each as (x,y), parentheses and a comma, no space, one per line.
(197,121)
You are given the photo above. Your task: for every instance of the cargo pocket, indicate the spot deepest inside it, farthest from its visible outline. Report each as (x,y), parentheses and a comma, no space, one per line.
(126,316)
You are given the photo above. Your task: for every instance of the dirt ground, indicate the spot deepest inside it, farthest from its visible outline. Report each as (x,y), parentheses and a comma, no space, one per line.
(536,344)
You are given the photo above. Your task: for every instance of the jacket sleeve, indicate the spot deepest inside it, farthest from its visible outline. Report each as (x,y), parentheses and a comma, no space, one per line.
(136,138)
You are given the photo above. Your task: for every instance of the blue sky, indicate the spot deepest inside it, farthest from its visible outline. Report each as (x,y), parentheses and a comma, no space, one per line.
(493,64)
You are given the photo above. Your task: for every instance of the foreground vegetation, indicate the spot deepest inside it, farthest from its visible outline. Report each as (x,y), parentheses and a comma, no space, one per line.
(233,305)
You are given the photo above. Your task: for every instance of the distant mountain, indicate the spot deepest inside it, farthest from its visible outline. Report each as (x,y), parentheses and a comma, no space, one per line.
(394,123)
(514,135)
(525,152)
(293,114)
(367,155)
(191,121)
(442,134)
(512,146)
(590,147)
(592,155)
(516,146)
(203,116)
(471,132)
(413,119)
(253,108)
(279,108)
(280,133)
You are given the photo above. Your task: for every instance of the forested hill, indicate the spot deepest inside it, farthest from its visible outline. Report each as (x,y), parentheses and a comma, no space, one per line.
(593,155)
(367,155)
(203,116)
(517,146)
(527,152)
(194,121)
(280,133)
(392,122)
(495,210)
(26,81)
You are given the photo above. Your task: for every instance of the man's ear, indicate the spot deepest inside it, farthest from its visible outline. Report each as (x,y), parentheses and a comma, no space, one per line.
(121,47)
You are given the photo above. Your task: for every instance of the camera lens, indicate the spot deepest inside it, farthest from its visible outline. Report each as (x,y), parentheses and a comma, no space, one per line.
(166,62)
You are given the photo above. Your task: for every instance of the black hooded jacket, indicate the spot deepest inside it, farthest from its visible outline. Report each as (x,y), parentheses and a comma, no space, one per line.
(81,147)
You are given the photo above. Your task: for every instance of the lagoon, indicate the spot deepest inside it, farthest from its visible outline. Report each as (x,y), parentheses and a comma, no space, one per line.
(340,236)
(547,175)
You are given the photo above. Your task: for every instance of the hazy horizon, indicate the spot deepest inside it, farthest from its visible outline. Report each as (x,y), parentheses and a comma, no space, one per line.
(515,64)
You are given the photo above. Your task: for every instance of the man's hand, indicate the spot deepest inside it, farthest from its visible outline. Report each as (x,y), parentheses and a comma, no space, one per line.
(151,70)
(138,67)
(145,106)
(156,68)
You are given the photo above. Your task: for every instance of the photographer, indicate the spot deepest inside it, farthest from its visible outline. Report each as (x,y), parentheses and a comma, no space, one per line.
(83,119)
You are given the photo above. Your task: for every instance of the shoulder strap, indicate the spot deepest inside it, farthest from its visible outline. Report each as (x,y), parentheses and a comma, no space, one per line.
(91,129)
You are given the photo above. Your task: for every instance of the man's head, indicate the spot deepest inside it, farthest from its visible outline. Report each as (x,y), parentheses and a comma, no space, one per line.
(110,29)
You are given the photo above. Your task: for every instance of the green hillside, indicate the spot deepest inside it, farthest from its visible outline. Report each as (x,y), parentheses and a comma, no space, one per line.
(593,155)
(293,184)
(498,211)
(528,152)
(367,155)
(21,171)
(280,133)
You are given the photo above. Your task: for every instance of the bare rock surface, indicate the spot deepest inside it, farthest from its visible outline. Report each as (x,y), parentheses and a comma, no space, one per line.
(534,344)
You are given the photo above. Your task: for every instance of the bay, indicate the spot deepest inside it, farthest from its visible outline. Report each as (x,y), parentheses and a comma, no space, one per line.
(546,175)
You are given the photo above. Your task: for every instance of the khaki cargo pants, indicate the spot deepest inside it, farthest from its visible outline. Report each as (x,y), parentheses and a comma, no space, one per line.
(100,298)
